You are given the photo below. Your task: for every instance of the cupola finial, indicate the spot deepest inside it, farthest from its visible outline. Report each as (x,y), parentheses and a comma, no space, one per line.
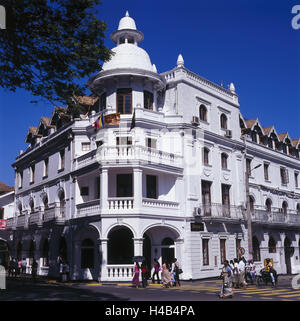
(180,61)
(127,13)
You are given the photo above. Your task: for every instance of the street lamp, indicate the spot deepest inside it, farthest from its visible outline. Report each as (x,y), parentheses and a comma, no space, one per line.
(249,221)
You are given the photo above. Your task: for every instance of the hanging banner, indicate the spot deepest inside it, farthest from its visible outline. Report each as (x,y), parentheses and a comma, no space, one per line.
(112,119)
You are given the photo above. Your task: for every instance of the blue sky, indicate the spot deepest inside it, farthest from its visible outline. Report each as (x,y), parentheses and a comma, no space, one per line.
(249,43)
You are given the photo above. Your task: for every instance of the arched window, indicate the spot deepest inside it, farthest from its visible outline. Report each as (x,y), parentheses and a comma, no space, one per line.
(254,136)
(31,205)
(45,201)
(87,254)
(272,245)
(120,246)
(203,113)
(45,253)
(298,208)
(224,158)
(20,208)
(284,207)
(270,142)
(205,156)
(256,249)
(223,120)
(62,202)
(167,241)
(269,205)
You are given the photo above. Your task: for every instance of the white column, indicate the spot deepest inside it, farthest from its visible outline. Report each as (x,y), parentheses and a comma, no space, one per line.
(137,188)
(104,188)
(138,246)
(104,257)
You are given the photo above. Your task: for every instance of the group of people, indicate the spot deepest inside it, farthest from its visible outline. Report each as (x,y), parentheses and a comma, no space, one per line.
(235,272)
(17,267)
(169,274)
(64,270)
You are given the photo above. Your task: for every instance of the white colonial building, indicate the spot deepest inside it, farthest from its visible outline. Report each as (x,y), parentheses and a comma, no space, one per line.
(172,186)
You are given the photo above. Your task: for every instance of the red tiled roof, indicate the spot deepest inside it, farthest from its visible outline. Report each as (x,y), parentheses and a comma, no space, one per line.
(282,136)
(250,122)
(267,130)
(5,188)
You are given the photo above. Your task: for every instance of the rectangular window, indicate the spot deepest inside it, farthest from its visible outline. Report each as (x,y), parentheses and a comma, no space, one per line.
(124,101)
(103,101)
(284,176)
(296,180)
(226,200)
(62,159)
(32,170)
(266,171)
(46,166)
(205,251)
(206,197)
(151,182)
(85,147)
(151,143)
(222,250)
(205,156)
(127,140)
(124,185)
(148,100)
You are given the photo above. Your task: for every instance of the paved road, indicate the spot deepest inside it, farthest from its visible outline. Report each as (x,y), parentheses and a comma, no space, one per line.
(24,289)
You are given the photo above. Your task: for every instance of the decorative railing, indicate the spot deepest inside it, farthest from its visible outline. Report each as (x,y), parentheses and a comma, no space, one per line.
(120,272)
(129,153)
(120,203)
(22,221)
(264,216)
(160,203)
(220,211)
(34,218)
(88,208)
(10,223)
(57,213)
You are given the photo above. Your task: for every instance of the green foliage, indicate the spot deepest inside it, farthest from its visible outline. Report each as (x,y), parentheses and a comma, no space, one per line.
(50,46)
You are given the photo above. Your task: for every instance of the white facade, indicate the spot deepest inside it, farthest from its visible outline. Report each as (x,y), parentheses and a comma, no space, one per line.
(184,170)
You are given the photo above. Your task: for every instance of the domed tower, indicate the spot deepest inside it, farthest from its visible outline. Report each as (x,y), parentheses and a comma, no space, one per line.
(128,80)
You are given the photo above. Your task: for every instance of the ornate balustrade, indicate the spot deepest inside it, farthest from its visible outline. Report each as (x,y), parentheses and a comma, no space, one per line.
(120,272)
(88,208)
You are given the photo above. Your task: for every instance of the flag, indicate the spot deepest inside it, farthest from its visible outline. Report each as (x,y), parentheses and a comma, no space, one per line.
(99,122)
(112,119)
(132,121)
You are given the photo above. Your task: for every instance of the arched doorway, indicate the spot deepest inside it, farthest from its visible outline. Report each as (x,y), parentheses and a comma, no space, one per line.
(120,246)
(288,252)
(160,243)
(256,249)
(31,252)
(3,253)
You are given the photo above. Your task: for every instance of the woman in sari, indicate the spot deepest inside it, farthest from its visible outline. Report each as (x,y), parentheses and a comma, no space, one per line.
(226,274)
(166,276)
(136,278)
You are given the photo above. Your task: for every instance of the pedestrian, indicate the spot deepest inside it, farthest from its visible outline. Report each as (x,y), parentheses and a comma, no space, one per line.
(19,266)
(166,276)
(157,268)
(15,265)
(136,277)
(252,271)
(34,268)
(11,267)
(61,267)
(177,271)
(23,266)
(241,267)
(226,274)
(144,274)
(235,279)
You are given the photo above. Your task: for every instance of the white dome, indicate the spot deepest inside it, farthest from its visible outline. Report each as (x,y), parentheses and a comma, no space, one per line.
(128,56)
(127,23)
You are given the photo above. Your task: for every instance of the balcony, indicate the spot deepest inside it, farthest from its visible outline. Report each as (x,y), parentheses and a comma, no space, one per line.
(22,221)
(275,217)
(34,218)
(129,153)
(10,223)
(219,212)
(88,208)
(56,213)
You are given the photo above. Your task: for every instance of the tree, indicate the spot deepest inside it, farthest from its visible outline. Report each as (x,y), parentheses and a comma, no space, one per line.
(50,47)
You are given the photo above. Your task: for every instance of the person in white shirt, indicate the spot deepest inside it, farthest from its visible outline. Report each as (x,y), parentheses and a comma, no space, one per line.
(241,267)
